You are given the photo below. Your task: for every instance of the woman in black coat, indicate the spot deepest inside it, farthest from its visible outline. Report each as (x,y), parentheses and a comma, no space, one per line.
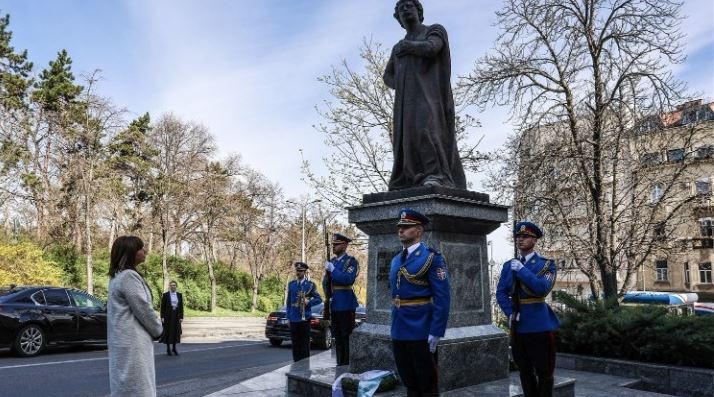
(171,317)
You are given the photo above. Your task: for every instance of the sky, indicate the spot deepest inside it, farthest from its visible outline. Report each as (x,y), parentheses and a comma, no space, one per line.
(248,69)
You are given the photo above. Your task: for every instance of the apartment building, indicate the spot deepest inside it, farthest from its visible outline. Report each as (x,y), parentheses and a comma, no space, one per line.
(663,182)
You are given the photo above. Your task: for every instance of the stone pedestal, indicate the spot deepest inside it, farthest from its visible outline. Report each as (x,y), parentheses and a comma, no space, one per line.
(473,350)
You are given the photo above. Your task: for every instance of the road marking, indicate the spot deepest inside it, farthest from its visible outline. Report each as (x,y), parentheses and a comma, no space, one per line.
(107,358)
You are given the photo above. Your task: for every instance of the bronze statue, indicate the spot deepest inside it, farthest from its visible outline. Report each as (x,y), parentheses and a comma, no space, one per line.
(423,138)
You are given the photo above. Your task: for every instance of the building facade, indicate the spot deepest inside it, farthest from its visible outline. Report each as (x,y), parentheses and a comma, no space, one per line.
(657,193)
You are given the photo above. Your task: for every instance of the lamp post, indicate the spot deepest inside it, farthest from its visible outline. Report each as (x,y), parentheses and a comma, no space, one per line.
(303,207)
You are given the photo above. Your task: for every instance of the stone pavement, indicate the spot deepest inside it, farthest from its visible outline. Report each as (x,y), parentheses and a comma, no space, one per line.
(587,384)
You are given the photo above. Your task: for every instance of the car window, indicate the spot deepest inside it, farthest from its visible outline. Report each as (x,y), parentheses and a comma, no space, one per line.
(39,298)
(23,299)
(56,297)
(82,299)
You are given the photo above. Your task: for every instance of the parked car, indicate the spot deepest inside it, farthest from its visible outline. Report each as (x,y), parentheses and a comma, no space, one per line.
(360,315)
(33,317)
(277,328)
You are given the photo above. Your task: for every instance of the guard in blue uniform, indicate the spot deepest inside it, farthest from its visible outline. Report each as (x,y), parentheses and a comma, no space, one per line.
(524,284)
(343,270)
(419,281)
(302,296)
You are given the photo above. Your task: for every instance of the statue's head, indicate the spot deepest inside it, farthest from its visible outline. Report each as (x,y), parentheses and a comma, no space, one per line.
(406,7)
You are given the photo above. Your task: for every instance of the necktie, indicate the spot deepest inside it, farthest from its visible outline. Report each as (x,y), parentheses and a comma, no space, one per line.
(523,260)
(405,252)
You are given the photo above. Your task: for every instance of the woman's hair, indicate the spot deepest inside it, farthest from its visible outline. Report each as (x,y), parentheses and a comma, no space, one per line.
(123,254)
(419,8)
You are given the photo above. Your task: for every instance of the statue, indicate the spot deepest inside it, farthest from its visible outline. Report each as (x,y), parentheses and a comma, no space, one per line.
(423,137)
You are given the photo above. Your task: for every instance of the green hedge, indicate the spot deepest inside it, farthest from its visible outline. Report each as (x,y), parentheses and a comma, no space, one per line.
(643,333)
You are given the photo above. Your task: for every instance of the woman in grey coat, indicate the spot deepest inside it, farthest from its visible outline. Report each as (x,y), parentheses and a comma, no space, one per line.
(132,323)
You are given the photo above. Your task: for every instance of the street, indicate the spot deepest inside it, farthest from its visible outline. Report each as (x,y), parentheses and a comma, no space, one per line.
(201,369)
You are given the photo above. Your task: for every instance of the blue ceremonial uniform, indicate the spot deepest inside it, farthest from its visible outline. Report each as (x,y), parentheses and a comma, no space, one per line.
(420,290)
(307,289)
(343,277)
(537,278)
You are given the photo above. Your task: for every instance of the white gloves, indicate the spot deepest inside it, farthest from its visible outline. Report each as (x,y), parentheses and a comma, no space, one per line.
(510,319)
(516,265)
(433,341)
(329,266)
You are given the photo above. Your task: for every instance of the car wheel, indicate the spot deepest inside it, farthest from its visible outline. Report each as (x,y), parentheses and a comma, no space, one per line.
(327,342)
(276,342)
(30,341)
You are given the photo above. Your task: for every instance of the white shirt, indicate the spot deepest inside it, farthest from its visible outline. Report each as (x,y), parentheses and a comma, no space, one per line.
(174,299)
(528,257)
(413,248)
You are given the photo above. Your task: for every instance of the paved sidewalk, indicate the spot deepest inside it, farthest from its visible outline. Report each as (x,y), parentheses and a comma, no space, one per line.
(587,384)
(201,329)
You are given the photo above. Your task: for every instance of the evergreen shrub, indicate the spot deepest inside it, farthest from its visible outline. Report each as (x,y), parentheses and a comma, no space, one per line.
(646,333)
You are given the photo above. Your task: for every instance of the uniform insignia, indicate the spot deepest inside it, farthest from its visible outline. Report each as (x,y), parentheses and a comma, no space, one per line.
(441,273)
(350,269)
(417,253)
(403,215)
(523,228)
(549,276)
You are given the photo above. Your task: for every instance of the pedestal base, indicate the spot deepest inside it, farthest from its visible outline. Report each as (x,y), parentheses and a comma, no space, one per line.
(313,377)
(467,355)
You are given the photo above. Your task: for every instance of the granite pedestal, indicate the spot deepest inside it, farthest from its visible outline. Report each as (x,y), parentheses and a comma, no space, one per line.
(473,350)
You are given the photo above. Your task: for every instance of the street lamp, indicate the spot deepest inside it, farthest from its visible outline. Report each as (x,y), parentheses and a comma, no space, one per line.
(303,206)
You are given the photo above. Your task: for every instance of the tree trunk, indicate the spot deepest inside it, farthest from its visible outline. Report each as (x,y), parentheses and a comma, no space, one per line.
(254,301)
(88,249)
(164,264)
(211,274)
(112,229)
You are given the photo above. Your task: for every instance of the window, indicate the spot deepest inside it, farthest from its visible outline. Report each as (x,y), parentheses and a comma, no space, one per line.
(704,152)
(56,297)
(84,300)
(651,159)
(706,227)
(39,298)
(660,231)
(705,272)
(703,185)
(661,270)
(649,124)
(675,155)
(695,115)
(687,276)
(656,192)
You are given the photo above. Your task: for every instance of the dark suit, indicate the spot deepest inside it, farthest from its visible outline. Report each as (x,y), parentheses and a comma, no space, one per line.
(171,319)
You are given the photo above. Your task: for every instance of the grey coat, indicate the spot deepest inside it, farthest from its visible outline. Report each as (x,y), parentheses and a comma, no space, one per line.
(131,326)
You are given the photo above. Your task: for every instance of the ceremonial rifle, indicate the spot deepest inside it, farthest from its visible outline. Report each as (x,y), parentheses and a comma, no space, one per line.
(327,278)
(516,307)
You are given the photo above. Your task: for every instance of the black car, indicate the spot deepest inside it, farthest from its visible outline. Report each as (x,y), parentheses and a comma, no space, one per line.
(360,315)
(277,328)
(33,317)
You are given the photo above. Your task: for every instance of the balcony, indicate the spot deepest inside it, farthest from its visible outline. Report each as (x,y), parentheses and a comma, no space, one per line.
(703,205)
(702,243)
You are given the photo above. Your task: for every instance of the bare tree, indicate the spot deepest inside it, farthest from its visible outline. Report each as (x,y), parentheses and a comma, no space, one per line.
(256,226)
(358,127)
(85,163)
(578,75)
(184,149)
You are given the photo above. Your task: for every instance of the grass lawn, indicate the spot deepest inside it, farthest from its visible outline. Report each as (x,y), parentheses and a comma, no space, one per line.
(221,312)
